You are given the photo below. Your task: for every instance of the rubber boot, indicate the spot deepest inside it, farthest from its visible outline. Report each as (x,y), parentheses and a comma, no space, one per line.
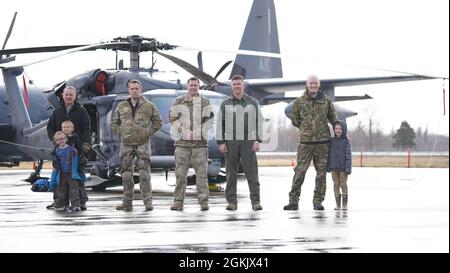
(338,201)
(344,202)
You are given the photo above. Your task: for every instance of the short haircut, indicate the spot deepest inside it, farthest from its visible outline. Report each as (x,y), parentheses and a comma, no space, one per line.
(59,133)
(134,81)
(70,87)
(68,122)
(193,79)
(237,77)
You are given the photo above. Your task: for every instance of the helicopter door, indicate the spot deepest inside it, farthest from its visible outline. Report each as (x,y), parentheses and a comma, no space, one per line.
(93,116)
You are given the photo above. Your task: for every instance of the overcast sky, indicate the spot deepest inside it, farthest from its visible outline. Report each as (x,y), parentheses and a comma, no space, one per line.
(401,35)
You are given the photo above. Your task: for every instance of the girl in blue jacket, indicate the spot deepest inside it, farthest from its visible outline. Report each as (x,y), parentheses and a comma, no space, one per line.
(340,163)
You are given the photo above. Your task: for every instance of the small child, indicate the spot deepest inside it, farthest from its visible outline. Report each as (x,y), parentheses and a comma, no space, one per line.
(73,140)
(68,128)
(340,163)
(65,173)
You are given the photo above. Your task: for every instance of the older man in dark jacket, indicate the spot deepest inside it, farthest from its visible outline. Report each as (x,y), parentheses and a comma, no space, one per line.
(71,110)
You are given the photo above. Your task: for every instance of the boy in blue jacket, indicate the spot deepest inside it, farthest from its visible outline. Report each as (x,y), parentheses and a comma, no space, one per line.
(67,127)
(65,173)
(340,163)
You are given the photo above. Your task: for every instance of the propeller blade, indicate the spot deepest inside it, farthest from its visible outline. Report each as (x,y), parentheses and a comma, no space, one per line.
(200,60)
(278,55)
(10,30)
(224,66)
(204,77)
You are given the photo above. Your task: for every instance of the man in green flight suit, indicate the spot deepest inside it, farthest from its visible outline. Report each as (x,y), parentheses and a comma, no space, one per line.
(239,134)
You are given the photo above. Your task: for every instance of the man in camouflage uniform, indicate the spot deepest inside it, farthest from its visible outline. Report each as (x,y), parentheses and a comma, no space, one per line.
(135,120)
(191,118)
(239,131)
(311,114)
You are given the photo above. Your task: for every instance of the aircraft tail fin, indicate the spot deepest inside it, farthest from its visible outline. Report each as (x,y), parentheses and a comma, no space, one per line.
(19,114)
(260,34)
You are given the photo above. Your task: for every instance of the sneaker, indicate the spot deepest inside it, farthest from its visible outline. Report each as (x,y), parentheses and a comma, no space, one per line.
(318,206)
(291,206)
(124,207)
(232,206)
(257,206)
(177,206)
(204,207)
(75,209)
(60,208)
(51,206)
(83,207)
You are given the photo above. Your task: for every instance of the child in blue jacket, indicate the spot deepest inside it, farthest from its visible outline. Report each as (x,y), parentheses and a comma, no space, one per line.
(340,163)
(65,175)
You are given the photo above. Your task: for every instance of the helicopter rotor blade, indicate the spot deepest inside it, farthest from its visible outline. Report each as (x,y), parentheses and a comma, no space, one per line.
(69,50)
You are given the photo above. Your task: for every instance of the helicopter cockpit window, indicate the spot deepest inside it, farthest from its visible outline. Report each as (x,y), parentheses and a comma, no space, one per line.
(163,104)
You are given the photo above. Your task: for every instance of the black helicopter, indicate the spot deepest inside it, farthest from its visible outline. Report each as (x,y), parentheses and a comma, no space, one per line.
(23,136)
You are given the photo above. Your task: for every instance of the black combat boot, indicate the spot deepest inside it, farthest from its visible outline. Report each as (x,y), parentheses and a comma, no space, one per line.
(318,206)
(291,206)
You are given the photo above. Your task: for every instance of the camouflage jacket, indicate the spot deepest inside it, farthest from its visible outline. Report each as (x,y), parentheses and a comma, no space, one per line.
(195,115)
(245,117)
(136,129)
(311,116)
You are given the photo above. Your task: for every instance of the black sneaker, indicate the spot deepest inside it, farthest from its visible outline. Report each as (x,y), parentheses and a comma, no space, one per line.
(291,206)
(51,206)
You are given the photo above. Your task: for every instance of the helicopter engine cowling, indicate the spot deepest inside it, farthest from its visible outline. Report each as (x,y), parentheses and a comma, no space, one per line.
(95,83)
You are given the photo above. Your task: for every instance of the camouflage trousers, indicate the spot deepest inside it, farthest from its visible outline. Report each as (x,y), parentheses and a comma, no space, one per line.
(198,157)
(340,182)
(128,155)
(318,153)
(240,151)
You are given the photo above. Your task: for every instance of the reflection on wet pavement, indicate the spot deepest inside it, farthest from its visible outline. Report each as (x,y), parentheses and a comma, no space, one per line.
(399,213)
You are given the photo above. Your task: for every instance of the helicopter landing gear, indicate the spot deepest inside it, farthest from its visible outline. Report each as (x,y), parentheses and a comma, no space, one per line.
(37,172)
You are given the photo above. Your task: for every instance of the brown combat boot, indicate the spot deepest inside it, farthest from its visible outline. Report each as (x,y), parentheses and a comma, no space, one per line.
(177,206)
(204,206)
(257,206)
(125,207)
(338,201)
(232,206)
(148,205)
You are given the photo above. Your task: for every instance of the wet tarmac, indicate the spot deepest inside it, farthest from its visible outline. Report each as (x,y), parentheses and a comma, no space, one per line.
(390,210)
